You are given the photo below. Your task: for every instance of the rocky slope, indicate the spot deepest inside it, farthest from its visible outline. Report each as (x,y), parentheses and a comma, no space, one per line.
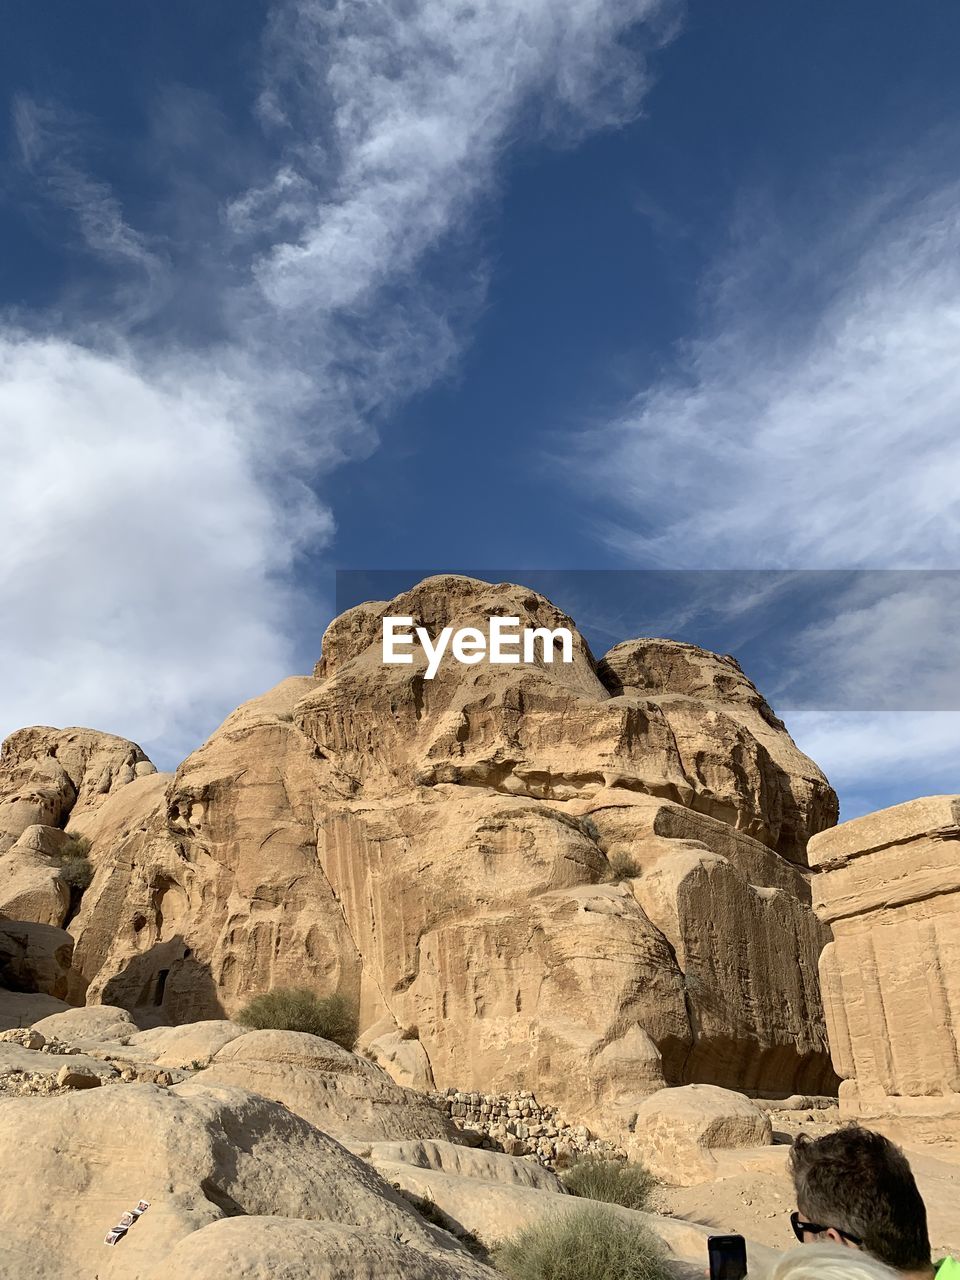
(294,1179)
(586,880)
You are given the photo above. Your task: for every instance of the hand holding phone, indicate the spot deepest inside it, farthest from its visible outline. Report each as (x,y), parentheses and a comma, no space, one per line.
(728,1257)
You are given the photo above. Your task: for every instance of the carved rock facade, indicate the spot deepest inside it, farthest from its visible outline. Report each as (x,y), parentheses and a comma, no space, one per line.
(889,887)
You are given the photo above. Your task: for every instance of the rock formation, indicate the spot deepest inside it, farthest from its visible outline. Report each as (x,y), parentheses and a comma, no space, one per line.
(201,1156)
(889,886)
(583,879)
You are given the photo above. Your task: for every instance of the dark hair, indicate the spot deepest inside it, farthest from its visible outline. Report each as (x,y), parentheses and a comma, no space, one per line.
(859,1182)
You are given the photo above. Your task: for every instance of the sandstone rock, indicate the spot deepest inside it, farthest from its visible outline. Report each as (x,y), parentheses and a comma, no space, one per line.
(22,1009)
(37,957)
(465,1162)
(445,855)
(184,1045)
(339,1092)
(30,884)
(70,1166)
(269,1248)
(403,1057)
(89,1027)
(194,938)
(692,868)
(888,884)
(25,1037)
(678,1130)
(49,776)
(743,765)
(77,1078)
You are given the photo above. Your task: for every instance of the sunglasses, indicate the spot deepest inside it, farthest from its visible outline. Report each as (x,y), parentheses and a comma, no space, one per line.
(802,1229)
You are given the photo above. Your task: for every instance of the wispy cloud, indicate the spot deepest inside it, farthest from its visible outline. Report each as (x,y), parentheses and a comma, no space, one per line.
(161,471)
(50,143)
(813,422)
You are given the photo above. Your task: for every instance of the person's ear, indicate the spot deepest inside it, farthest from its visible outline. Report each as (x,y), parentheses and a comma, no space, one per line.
(836,1237)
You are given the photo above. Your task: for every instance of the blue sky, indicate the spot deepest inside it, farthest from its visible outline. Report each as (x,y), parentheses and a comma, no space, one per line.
(544,284)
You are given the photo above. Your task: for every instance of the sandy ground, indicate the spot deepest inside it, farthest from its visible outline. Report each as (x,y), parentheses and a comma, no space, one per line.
(755,1198)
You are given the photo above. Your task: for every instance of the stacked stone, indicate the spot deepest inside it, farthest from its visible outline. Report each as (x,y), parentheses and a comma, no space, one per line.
(518,1125)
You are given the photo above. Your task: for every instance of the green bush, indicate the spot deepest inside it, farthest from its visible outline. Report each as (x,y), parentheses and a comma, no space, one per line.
(623,867)
(613,1181)
(300,1009)
(589,1244)
(76,872)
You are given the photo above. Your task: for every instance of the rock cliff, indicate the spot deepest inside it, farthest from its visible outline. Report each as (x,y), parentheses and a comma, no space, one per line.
(585,879)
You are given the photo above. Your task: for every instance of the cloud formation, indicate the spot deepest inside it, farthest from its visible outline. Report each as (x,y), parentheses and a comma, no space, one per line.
(160,483)
(812,424)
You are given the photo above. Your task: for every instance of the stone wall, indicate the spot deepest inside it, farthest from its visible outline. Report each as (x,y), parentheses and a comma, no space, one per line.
(888,885)
(517,1124)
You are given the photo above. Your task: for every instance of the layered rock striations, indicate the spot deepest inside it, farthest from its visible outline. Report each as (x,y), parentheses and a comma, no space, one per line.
(583,879)
(888,885)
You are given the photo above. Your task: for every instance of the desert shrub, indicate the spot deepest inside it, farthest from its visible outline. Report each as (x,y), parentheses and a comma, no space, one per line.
(590,829)
(589,1244)
(613,1181)
(300,1009)
(622,866)
(76,872)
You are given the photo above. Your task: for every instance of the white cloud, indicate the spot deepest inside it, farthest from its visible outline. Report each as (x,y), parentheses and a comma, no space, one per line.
(813,423)
(143,567)
(154,495)
(875,759)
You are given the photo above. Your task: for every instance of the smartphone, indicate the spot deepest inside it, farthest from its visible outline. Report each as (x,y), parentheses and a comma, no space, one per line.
(728,1257)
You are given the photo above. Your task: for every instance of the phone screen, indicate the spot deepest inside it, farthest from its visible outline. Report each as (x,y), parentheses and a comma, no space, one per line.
(728,1257)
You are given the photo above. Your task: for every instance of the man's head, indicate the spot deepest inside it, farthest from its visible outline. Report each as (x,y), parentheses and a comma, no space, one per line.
(858,1186)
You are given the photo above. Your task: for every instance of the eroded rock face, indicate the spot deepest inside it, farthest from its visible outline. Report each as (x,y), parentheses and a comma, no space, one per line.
(889,886)
(743,766)
(35,958)
(49,775)
(564,877)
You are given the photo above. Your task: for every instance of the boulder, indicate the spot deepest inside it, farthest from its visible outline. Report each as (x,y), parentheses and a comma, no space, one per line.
(23,1009)
(71,1165)
(89,1027)
(677,1131)
(193,1042)
(338,1091)
(71,1077)
(30,884)
(403,1057)
(25,1037)
(37,957)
